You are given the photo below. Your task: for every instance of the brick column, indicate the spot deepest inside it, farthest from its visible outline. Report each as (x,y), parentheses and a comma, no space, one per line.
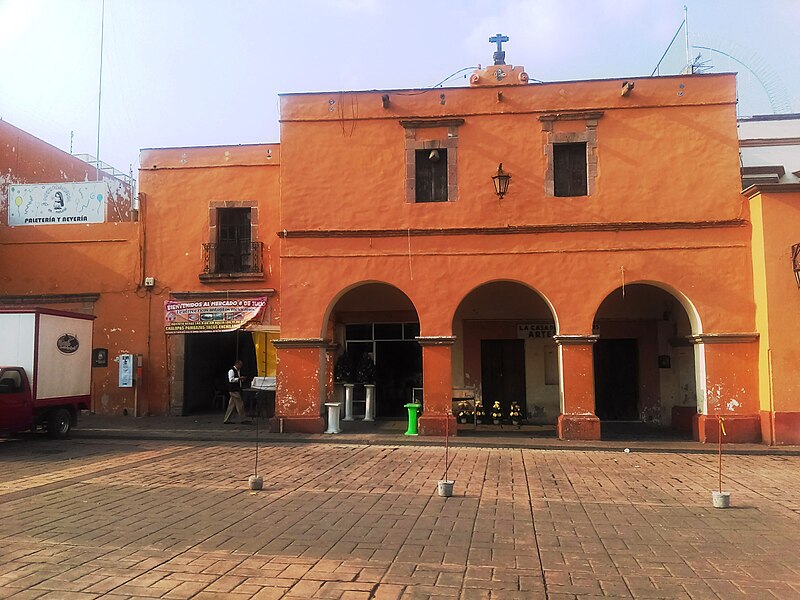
(730,378)
(577,420)
(301,385)
(437,385)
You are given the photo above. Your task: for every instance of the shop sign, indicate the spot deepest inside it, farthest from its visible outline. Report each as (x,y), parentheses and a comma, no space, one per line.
(535,330)
(57,203)
(542,330)
(210,316)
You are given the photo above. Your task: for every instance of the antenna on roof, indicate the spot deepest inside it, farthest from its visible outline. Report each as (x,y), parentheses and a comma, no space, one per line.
(688,68)
(100,85)
(684,25)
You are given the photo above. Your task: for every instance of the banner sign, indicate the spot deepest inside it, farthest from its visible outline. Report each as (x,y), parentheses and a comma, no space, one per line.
(210,316)
(57,203)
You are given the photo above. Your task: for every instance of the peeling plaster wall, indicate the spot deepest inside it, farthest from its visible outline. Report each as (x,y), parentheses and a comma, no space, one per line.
(103,258)
(27,159)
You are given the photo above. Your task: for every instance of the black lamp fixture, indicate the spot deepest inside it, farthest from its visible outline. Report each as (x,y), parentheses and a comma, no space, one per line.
(501,181)
(796,263)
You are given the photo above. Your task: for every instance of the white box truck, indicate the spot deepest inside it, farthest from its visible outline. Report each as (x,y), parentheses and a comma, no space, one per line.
(45,369)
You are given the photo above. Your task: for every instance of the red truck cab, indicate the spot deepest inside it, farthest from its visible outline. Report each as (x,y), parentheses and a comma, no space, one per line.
(18,412)
(47,379)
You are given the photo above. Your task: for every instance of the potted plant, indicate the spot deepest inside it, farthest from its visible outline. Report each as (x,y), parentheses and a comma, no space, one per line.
(343,369)
(480,415)
(465,411)
(497,412)
(365,370)
(515,414)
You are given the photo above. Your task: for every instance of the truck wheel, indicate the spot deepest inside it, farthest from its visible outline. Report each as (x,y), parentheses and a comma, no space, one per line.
(59,423)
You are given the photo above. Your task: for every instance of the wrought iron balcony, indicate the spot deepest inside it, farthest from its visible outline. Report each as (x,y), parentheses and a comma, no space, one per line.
(796,263)
(229,258)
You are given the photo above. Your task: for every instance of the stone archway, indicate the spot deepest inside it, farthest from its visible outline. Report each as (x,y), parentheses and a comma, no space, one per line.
(380,320)
(504,350)
(647,368)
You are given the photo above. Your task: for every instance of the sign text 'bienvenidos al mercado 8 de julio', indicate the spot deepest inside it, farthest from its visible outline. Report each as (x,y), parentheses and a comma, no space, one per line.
(57,203)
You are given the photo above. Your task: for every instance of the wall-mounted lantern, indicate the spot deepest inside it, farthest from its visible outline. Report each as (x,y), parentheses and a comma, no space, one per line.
(501,181)
(796,263)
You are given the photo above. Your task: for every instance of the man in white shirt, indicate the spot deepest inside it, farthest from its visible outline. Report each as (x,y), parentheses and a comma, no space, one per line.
(235,381)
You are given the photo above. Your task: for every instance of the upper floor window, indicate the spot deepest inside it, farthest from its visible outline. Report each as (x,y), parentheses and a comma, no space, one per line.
(233,251)
(570,142)
(234,254)
(431,175)
(569,169)
(431,160)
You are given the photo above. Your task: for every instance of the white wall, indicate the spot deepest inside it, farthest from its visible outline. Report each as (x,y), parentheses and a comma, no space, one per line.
(62,374)
(16,341)
(542,400)
(787,155)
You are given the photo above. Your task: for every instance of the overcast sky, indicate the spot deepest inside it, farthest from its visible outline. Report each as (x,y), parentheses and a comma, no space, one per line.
(203,72)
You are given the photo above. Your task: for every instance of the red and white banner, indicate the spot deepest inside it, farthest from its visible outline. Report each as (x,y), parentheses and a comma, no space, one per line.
(212,316)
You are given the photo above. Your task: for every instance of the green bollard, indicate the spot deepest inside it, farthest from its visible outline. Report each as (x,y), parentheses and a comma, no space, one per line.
(412,418)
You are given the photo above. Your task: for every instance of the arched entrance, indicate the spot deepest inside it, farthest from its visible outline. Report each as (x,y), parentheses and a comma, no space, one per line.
(645,362)
(504,350)
(379,320)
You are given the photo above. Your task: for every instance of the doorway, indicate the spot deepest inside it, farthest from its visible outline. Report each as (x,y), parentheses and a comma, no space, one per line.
(208,356)
(398,370)
(398,363)
(616,379)
(503,374)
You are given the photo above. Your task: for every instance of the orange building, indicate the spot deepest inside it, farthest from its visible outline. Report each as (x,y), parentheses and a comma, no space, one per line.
(210,219)
(83,260)
(581,249)
(613,280)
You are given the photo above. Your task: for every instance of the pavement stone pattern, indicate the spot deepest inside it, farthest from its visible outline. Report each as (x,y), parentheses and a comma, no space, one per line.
(156,519)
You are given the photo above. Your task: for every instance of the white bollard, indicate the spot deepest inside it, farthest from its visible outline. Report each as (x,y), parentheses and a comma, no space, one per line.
(333,417)
(369,411)
(348,401)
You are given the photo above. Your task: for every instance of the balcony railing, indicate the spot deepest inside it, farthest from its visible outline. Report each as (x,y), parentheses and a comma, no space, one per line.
(233,257)
(796,263)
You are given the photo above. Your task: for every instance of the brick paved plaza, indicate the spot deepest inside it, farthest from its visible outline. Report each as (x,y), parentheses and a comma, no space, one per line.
(126,519)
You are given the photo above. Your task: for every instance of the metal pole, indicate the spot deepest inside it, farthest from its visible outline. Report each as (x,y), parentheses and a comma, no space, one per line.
(686,37)
(719,435)
(100,86)
(257,415)
(446,444)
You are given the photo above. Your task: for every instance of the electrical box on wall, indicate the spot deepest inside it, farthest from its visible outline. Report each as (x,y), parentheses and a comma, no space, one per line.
(149,282)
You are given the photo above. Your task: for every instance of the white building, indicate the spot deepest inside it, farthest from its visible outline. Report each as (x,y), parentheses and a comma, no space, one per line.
(769,147)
